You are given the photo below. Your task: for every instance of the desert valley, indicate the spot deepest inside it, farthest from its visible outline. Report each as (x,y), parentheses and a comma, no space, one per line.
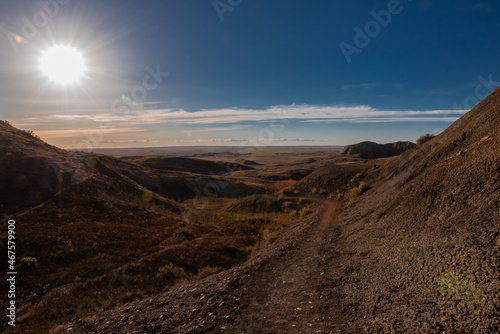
(400,238)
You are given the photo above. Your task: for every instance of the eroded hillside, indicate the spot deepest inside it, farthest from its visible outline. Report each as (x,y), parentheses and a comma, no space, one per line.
(331,244)
(418,252)
(96,231)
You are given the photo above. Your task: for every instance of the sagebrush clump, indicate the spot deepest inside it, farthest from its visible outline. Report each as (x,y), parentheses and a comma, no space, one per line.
(425,138)
(357,191)
(171,272)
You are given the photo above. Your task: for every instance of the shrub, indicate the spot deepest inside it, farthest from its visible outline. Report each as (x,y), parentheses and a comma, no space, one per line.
(363,187)
(171,272)
(357,191)
(31,133)
(28,262)
(305,211)
(425,138)
(354,193)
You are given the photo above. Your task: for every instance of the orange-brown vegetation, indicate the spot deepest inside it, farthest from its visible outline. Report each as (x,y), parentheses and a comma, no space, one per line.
(282,185)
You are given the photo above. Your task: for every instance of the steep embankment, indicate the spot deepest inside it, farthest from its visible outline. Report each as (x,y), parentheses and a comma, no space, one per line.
(31,171)
(419,253)
(424,243)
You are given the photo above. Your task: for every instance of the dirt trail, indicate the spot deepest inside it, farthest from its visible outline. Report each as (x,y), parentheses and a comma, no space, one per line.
(282,290)
(286,293)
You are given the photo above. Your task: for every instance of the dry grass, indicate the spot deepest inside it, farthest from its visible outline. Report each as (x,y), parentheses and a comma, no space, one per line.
(305,211)
(356,192)
(282,185)
(460,287)
(95,256)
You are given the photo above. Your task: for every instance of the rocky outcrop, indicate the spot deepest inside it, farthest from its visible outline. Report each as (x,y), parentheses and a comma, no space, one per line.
(371,150)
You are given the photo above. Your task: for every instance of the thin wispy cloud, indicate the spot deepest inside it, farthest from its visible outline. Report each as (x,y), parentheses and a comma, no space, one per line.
(387,120)
(300,113)
(69,133)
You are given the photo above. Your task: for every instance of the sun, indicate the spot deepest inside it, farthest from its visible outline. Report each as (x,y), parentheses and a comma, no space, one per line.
(62,64)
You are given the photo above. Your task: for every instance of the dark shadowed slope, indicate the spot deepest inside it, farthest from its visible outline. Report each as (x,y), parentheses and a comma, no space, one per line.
(418,253)
(371,150)
(31,171)
(191,165)
(34,172)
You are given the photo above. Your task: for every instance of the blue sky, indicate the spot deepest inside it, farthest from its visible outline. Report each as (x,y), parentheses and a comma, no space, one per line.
(244,72)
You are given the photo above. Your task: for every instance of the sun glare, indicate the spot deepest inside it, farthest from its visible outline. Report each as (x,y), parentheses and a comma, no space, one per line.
(62,64)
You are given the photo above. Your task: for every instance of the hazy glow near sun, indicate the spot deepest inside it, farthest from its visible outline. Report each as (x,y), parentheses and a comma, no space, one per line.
(62,64)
